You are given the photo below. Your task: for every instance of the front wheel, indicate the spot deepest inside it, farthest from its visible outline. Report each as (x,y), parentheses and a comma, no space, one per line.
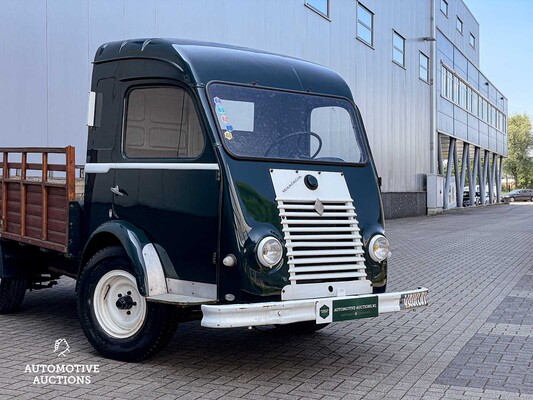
(115,317)
(12,291)
(511,199)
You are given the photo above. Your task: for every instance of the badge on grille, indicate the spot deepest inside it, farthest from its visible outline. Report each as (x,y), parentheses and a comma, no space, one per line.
(319,207)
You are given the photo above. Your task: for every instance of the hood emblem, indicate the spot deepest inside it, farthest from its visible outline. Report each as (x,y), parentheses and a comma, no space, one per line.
(319,207)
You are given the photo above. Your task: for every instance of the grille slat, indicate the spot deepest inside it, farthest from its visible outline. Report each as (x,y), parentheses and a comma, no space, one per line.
(322,248)
(303,253)
(330,276)
(319,244)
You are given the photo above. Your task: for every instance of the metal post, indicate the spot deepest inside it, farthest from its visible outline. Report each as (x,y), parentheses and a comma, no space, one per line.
(448,173)
(492,178)
(475,174)
(440,169)
(464,168)
(499,182)
(483,176)
(458,196)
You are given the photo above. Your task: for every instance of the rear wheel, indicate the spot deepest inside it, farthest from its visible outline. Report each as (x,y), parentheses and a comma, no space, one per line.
(12,291)
(115,317)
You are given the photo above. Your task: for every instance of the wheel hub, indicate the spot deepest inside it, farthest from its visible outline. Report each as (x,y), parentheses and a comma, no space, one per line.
(125,303)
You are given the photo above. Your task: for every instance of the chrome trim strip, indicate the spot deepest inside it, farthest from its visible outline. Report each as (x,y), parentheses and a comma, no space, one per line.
(104,168)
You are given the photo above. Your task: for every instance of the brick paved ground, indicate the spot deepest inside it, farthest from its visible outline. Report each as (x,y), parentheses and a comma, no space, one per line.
(474,341)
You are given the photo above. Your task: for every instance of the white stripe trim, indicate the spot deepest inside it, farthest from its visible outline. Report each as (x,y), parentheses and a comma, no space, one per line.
(104,168)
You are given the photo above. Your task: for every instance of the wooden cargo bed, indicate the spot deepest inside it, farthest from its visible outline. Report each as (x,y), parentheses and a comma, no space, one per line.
(36,187)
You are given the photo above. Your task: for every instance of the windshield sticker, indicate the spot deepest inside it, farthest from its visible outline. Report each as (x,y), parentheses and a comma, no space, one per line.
(225,119)
(228,135)
(217,100)
(221,110)
(229,128)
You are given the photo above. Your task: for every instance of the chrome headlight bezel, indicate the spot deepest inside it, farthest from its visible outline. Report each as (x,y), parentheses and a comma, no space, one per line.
(380,253)
(263,246)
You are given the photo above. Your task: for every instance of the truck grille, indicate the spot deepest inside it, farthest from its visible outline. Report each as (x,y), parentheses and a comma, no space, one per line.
(322,248)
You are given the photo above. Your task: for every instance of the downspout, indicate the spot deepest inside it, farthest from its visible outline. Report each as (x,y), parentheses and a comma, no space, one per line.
(433,97)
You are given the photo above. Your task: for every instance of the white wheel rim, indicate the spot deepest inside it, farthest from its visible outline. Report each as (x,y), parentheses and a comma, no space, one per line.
(115,321)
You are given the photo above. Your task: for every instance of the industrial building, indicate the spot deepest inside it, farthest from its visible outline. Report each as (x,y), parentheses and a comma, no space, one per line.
(412,65)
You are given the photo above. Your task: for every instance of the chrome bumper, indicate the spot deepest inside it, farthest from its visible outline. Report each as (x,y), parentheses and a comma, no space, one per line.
(287,312)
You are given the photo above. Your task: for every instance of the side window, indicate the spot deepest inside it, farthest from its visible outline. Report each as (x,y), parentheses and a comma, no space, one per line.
(162,123)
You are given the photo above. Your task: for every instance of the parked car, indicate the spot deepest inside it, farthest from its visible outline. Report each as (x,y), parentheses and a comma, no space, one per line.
(519,195)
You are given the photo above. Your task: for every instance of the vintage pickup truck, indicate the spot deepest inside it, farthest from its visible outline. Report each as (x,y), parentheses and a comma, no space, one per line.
(221,183)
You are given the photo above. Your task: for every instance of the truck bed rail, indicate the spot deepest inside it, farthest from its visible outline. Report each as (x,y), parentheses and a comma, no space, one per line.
(34,206)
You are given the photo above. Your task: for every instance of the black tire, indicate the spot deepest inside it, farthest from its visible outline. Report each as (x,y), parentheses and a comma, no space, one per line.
(511,199)
(381,289)
(159,321)
(12,291)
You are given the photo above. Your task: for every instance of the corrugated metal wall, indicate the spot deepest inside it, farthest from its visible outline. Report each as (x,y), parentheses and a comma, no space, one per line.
(47,46)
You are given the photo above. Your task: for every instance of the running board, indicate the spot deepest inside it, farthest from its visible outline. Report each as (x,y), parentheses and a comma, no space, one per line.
(180,299)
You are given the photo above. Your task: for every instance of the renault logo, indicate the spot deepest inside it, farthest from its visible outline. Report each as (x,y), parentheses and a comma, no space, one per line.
(319,207)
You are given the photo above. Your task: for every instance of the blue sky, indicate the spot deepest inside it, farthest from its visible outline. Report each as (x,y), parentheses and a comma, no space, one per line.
(506,48)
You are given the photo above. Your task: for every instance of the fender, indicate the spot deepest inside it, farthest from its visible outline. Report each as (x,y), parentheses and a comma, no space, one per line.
(140,250)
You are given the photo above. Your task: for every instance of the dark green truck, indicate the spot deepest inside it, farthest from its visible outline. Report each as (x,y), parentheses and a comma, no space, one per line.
(223,184)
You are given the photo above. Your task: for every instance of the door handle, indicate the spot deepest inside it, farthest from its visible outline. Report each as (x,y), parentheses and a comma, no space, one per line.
(116,190)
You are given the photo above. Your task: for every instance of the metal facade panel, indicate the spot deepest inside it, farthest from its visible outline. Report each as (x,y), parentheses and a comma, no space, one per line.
(23,74)
(49,53)
(68,73)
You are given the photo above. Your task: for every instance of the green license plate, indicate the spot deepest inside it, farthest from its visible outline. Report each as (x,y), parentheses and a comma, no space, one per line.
(346,309)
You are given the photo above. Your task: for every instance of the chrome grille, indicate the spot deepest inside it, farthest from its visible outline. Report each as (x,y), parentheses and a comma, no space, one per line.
(322,248)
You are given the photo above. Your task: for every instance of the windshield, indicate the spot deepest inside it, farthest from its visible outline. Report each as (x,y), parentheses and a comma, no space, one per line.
(265,123)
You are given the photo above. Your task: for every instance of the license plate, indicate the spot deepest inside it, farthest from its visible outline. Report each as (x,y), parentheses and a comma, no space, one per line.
(346,309)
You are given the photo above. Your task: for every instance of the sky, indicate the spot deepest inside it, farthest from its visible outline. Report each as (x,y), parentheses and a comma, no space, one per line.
(506,48)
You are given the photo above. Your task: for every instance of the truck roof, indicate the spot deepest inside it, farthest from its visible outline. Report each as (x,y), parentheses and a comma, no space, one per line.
(203,62)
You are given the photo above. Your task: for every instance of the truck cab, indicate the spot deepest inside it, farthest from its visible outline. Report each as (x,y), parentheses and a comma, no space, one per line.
(223,184)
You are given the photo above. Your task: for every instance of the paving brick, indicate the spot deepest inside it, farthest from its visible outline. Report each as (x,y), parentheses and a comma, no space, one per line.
(473,341)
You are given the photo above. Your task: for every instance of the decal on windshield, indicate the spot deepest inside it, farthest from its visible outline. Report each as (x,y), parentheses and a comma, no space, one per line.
(228,135)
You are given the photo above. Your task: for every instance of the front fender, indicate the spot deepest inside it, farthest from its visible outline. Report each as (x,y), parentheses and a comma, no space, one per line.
(144,258)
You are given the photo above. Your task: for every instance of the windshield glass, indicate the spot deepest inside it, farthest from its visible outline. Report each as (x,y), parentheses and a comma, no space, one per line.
(265,123)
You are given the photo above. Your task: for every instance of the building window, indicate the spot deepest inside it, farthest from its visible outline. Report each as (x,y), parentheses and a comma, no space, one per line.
(472,41)
(462,94)
(459,25)
(424,67)
(444,7)
(320,6)
(162,123)
(365,25)
(398,49)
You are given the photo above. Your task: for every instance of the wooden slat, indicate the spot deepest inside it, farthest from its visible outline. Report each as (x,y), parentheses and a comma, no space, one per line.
(4,191)
(71,175)
(33,210)
(36,167)
(45,197)
(36,242)
(23,194)
(57,150)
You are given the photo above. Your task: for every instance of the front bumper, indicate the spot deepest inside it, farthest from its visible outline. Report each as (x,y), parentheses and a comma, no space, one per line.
(287,312)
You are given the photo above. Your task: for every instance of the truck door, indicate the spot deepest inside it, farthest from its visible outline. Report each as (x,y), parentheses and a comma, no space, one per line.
(166,179)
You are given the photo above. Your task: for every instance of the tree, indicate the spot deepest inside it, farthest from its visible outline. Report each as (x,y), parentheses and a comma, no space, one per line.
(519,162)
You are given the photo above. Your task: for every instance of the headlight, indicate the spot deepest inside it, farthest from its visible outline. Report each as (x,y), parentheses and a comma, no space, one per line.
(378,248)
(269,251)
